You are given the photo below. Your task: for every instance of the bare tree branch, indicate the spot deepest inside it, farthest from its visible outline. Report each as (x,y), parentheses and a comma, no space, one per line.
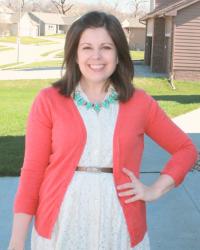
(138,4)
(62,6)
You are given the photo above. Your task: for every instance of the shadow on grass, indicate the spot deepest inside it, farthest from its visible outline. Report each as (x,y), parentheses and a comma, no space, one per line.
(184,99)
(11,155)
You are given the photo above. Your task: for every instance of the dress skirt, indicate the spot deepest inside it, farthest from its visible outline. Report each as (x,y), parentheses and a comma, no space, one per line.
(90,218)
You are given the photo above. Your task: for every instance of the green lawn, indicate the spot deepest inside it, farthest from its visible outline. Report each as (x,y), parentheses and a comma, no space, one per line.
(50,52)
(26,40)
(57,35)
(17,96)
(135,55)
(60,54)
(185,98)
(3,48)
(43,64)
(9,65)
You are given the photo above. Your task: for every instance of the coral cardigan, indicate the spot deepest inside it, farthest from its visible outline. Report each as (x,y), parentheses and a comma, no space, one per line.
(55,139)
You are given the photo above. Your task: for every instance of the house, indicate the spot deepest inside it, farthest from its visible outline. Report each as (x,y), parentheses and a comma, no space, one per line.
(51,23)
(173,38)
(5,20)
(135,32)
(33,23)
(27,27)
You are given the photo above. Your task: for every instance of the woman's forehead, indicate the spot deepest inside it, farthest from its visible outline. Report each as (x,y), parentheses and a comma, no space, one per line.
(100,35)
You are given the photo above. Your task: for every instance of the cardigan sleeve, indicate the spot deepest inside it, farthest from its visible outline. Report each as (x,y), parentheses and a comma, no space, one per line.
(170,137)
(36,156)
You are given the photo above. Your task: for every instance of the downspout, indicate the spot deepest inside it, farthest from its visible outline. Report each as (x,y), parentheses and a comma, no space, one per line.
(171,73)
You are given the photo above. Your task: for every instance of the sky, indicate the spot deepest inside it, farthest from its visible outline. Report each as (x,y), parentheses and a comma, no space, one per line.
(123,4)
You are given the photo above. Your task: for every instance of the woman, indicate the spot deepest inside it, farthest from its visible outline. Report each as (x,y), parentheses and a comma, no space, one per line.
(84,143)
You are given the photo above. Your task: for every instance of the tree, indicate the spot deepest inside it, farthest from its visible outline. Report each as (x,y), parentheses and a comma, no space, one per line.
(137,5)
(62,6)
(14,5)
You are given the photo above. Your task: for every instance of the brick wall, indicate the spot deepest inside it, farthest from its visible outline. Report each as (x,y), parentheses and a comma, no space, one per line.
(157,60)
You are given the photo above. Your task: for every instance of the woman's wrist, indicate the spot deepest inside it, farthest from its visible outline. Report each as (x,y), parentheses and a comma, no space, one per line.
(162,185)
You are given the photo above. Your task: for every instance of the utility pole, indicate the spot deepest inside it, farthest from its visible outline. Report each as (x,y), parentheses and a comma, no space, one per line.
(18,30)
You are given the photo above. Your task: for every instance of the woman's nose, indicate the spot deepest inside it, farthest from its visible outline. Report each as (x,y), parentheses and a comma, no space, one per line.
(96,54)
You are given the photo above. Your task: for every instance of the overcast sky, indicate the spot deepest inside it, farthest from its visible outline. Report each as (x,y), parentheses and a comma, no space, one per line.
(123,4)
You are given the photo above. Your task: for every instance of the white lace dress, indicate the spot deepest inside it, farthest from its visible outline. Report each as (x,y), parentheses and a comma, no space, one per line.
(91,217)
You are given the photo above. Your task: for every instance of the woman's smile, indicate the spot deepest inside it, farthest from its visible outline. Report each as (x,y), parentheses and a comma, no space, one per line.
(96,67)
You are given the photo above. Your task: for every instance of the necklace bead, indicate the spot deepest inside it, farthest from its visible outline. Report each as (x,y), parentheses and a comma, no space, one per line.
(96,106)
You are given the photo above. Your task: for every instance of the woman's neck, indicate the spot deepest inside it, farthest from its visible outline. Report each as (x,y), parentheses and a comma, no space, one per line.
(94,91)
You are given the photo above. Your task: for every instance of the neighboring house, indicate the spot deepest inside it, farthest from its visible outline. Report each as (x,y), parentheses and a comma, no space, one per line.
(33,23)
(173,38)
(28,27)
(5,20)
(51,23)
(135,32)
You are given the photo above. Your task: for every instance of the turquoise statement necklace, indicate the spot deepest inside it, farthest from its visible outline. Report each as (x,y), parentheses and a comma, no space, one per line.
(96,106)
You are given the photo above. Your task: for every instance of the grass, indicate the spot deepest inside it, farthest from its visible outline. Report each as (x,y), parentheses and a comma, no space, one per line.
(137,55)
(57,35)
(3,48)
(17,96)
(25,40)
(185,98)
(60,54)
(15,101)
(50,52)
(9,65)
(43,64)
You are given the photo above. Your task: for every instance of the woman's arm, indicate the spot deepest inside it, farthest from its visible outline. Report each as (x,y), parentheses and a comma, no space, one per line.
(36,157)
(161,129)
(20,228)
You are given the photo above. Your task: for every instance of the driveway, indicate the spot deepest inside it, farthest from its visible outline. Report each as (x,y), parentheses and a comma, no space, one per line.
(28,52)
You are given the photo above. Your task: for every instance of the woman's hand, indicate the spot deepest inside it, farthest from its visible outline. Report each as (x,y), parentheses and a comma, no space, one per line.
(139,191)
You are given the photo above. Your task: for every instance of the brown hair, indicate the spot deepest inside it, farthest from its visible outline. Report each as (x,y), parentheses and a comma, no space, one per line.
(124,72)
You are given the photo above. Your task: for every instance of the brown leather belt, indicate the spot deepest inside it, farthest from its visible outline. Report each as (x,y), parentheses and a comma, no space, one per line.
(94,169)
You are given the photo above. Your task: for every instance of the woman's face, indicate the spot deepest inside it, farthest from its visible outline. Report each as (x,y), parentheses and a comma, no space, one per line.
(96,55)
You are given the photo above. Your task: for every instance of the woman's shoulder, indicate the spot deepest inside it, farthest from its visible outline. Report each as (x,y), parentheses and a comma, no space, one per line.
(48,91)
(140,95)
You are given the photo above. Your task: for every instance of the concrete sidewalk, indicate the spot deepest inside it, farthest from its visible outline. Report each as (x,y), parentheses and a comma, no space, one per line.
(55,72)
(173,220)
(37,73)
(190,122)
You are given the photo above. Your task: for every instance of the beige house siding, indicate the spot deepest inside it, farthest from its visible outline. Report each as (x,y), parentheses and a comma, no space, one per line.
(150,27)
(186,61)
(137,39)
(5,23)
(27,27)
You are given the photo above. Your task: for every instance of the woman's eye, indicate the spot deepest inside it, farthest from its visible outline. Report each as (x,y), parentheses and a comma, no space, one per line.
(86,48)
(106,47)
